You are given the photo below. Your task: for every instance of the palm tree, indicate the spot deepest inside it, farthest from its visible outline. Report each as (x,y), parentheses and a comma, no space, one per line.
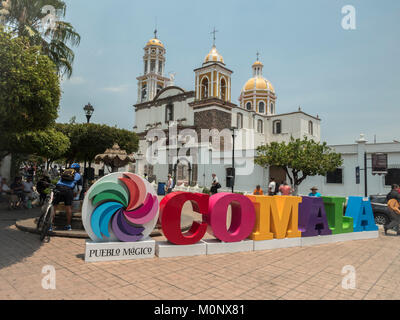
(27,18)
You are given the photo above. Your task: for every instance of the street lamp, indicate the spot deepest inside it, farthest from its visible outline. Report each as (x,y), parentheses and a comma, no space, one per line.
(88,111)
(233,157)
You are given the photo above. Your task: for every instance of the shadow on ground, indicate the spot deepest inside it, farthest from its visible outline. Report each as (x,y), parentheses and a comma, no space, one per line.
(16,245)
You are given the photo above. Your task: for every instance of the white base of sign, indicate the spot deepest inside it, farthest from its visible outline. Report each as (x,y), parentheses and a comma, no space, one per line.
(113,251)
(217,247)
(341,237)
(313,241)
(276,244)
(166,249)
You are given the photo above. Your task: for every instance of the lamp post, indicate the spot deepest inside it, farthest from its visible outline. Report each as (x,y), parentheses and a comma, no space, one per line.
(88,112)
(233,157)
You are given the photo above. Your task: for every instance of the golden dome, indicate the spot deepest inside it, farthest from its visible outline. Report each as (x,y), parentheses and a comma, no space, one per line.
(258,84)
(214,56)
(257,63)
(155,42)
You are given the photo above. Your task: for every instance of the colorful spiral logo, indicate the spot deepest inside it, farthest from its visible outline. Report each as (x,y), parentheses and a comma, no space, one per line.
(120,207)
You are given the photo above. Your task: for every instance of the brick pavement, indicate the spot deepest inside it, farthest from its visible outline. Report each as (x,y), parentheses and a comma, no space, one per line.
(292,273)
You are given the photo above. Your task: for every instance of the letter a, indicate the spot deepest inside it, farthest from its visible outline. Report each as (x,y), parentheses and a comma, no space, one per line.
(312,218)
(362,214)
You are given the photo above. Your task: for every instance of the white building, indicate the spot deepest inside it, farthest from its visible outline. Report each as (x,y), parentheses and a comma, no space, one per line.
(162,105)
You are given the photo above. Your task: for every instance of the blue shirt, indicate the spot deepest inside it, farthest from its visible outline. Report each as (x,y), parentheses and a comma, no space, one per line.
(315,194)
(71,184)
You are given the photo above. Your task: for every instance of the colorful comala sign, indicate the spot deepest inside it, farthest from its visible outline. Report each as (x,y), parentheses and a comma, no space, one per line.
(124,207)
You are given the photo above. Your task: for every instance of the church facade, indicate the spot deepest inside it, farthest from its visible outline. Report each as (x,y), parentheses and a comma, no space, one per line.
(163,106)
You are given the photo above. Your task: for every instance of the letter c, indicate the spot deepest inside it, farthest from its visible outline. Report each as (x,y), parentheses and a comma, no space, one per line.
(170,217)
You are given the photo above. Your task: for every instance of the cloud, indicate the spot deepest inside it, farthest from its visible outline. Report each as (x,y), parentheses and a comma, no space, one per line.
(118,89)
(74,81)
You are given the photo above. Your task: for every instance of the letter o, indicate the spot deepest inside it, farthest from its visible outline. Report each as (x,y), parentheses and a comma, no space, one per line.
(243,217)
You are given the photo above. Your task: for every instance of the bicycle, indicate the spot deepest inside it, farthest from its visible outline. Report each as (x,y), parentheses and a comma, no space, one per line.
(44,222)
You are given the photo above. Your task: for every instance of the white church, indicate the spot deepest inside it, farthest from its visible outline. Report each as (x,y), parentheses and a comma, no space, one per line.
(163,105)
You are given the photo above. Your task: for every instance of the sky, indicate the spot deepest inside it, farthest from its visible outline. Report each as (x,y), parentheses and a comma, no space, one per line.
(349,78)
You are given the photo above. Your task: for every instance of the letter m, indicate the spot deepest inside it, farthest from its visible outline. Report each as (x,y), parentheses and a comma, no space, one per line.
(284,215)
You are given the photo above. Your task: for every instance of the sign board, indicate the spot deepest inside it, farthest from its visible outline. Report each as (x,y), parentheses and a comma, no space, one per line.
(379,163)
(357,175)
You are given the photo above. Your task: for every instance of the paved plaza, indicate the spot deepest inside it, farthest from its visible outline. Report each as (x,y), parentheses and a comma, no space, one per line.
(292,273)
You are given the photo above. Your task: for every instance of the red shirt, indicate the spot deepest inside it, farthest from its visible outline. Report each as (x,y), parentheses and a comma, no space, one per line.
(285,190)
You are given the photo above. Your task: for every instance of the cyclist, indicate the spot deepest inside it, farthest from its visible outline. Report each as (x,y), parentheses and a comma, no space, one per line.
(67,189)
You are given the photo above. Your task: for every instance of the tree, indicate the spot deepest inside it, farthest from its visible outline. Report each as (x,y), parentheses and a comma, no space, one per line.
(26,17)
(89,140)
(299,158)
(29,91)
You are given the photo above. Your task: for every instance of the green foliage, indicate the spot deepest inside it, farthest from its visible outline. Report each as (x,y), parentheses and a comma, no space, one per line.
(305,157)
(89,140)
(206,191)
(25,19)
(29,92)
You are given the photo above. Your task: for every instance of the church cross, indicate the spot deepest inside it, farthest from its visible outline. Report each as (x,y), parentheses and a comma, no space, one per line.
(214,38)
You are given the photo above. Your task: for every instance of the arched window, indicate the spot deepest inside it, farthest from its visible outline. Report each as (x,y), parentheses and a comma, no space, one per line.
(272,108)
(248,106)
(261,107)
(145,66)
(169,113)
(204,88)
(260,126)
(152,65)
(277,127)
(311,128)
(160,67)
(223,89)
(144,92)
(239,123)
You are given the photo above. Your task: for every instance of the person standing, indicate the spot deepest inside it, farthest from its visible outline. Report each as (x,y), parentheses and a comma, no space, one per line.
(215,185)
(314,192)
(258,191)
(272,187)
(285,189)
(28,190)
(66,187)
(170,184)
(42,185)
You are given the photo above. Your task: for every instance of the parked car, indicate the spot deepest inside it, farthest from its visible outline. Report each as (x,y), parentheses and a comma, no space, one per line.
(380,209)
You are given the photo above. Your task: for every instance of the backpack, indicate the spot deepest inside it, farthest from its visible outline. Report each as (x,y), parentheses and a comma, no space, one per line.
(68,175)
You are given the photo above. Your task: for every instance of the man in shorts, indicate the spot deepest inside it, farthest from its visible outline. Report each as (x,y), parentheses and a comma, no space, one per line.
(66,187)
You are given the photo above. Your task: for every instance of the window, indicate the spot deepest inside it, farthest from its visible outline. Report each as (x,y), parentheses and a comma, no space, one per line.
(144,92)
(272,108)
(248,106)
(169,113)
(310,128)
(239,124)
(223,89)
(152,65)
(277,127)
(261,107)
(392,177)
(260,126)
(145,66)
(204,88)
(159,67)
(335,176)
